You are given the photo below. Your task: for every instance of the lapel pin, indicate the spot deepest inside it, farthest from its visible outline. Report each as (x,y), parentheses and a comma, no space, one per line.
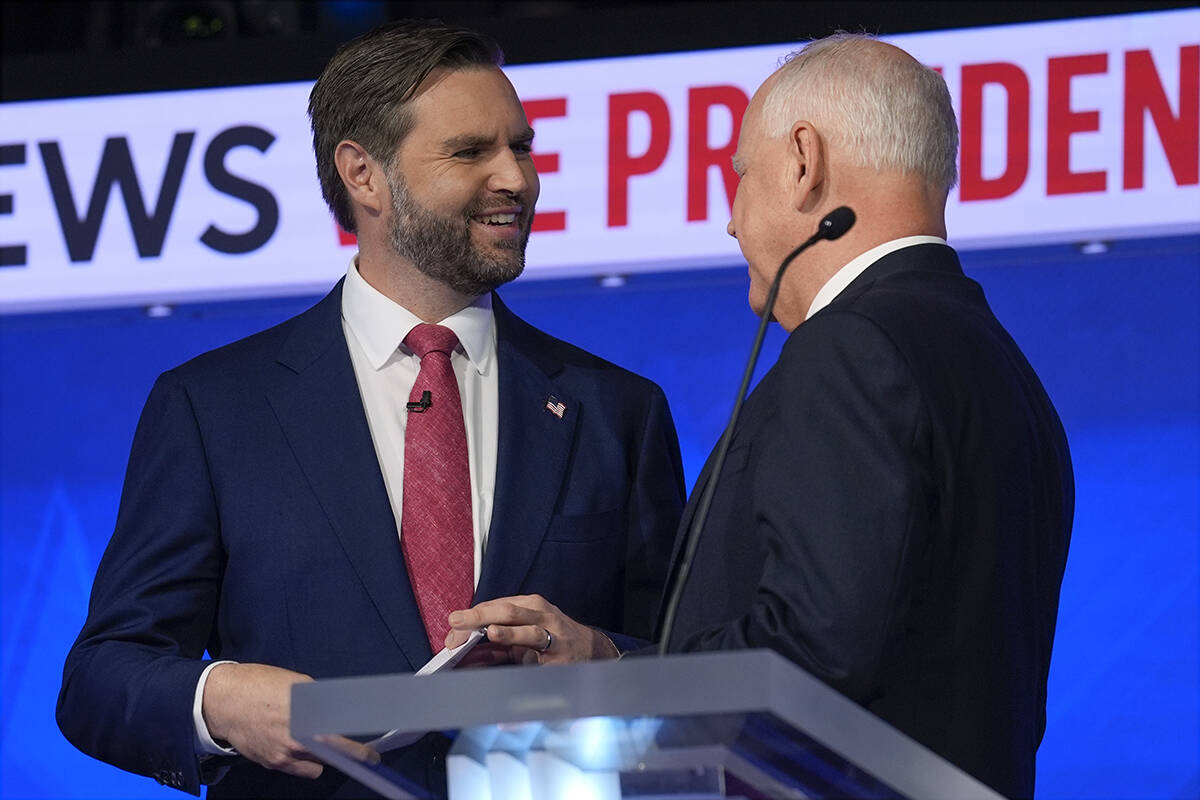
(556,406)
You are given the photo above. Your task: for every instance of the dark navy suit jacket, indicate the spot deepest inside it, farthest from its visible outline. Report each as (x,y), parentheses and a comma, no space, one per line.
(894,516)
(254,524)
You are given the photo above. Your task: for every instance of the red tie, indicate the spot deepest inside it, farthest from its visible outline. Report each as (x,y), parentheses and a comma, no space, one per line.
(436,533)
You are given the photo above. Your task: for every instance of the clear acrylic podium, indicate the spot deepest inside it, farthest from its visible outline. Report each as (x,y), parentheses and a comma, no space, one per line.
(744,724)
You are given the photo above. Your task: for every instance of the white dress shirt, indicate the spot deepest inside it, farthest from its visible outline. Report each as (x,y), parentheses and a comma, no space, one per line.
(386,370)
(857,266)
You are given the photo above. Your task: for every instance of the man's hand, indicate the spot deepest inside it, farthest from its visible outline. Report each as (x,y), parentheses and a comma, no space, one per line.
(533,629)
(249,706)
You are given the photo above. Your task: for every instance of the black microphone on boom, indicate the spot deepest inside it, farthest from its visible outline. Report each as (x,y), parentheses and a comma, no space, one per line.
(831,226)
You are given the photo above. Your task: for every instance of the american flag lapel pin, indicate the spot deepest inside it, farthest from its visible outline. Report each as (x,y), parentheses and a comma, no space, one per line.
(556,406)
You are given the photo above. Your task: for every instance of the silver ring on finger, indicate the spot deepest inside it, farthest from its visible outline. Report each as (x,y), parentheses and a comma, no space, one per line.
(549,641)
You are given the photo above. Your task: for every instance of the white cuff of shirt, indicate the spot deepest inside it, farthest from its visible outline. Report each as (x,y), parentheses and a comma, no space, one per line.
(205,744)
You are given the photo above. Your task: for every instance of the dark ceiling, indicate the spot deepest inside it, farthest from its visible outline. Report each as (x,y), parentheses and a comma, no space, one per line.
(61,48)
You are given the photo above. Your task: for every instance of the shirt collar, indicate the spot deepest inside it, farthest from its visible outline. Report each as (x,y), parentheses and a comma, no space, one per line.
(380,323)
(857,266)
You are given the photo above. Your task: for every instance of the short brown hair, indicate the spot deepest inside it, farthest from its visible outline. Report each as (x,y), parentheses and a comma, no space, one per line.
(364,90)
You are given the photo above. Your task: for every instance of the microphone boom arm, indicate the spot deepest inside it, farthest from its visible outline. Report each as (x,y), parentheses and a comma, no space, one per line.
(831,226)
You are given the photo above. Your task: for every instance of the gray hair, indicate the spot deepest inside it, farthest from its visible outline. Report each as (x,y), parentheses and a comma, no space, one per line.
(892,114)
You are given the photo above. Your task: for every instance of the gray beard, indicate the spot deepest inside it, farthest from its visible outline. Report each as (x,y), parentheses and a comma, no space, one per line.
(441,246)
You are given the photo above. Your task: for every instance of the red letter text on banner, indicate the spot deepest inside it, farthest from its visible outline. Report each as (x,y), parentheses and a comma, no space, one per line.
(622,164)
(1062,123)
(701,157)
(1180,135)
(546,163)
(972,184)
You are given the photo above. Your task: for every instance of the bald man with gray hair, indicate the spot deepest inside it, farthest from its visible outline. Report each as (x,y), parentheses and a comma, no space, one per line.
(895,511)
(896,505)
(893,115)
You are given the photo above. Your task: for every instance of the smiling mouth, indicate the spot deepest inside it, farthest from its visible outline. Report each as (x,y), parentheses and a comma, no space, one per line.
(496,219)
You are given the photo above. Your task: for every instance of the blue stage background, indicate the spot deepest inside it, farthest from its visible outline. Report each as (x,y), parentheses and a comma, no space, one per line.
(1115,337)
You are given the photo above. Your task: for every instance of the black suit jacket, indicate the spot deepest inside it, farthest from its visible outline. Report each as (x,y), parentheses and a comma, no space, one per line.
(894,516)
(255,524)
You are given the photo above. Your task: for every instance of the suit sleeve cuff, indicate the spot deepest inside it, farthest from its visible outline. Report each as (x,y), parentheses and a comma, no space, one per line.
(621,643)
(205,744)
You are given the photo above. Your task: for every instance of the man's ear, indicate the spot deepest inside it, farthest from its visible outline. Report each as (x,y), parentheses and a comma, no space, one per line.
(805,147)
(362,176)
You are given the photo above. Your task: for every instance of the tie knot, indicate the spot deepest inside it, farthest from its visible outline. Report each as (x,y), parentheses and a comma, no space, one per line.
(426,338)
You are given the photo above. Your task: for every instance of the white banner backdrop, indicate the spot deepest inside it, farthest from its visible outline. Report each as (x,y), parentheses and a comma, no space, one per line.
(1072,130)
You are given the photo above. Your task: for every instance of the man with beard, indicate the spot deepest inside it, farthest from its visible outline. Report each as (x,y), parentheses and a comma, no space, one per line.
(313,501)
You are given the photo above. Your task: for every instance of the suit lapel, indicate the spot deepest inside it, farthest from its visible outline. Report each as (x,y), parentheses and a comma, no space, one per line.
(689,510)
(685,526)
(532,457)
(321,414)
